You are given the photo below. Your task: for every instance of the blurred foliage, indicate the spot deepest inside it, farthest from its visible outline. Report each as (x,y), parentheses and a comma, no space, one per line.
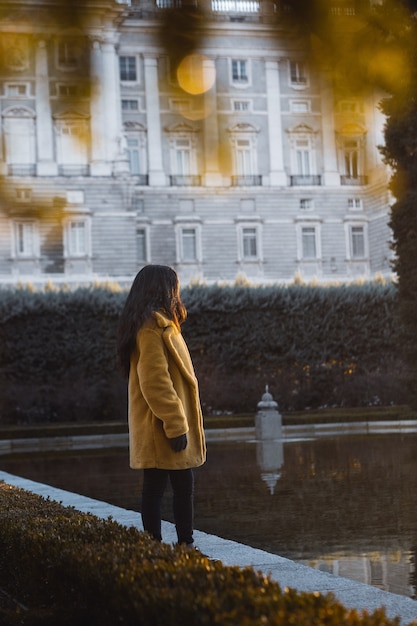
(58,565)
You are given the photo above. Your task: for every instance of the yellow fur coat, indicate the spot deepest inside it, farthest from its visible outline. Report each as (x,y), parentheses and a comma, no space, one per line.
(163,399)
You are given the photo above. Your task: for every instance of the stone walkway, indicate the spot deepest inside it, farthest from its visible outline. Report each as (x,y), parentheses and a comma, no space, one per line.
(287,573)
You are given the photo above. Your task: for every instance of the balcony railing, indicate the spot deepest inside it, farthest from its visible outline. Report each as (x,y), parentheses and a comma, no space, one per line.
(357,181)
(253,180)
(303,181)
(185,181)
(21,170)
(235,6)
(73,170)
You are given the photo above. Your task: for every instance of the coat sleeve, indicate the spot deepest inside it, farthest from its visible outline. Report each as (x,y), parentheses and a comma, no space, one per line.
(156,383)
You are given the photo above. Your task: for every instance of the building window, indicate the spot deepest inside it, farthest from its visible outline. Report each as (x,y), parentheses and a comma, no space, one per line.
(303,157)
(298,75)
(68,90)
(355,204)
(351,149)
(244,157)
(127,65)
(26,240)
(306,204)
(72,142)
(241,105)
(130,105)
(350,106)
(19,131)
(300,106)
(23,194)
(133,154)
(240,71)
(351,158)
(188,243)
(309,242)
(250,243)
(245,163)
(77,238)
(179,105)
(16,90)
(69,54)
(357,242)
(142,245)
(303,162)
(183,157)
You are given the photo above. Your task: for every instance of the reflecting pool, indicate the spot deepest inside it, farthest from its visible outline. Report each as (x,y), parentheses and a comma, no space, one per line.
(345,505)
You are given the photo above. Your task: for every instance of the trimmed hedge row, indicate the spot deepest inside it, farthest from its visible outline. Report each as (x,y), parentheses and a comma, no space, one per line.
(315,346)
(59,566)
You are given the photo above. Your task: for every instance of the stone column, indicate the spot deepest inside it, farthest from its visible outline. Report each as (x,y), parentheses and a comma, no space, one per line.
(99,157)
(45,163)
(331,175)
(156,172)
(277,175)
(212,176)
(114,135)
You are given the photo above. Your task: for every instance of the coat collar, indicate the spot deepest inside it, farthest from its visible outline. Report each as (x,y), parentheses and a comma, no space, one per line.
(175,344)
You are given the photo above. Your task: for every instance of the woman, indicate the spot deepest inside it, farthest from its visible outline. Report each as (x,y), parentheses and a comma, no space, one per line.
(166,433)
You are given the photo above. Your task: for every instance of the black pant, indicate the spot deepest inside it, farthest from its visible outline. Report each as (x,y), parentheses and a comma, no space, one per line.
(154,484)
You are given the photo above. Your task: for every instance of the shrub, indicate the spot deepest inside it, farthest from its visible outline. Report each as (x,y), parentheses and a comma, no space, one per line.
(62,566)
(315,346)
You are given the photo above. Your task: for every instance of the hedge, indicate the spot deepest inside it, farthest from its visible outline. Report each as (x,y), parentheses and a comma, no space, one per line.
(314,346)
(60,566)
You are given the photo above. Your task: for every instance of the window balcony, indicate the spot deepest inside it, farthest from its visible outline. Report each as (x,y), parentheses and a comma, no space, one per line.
(235,6)
(73,170)
(252,180)
(21,170)
(305,181)
(190,180)
(357,181)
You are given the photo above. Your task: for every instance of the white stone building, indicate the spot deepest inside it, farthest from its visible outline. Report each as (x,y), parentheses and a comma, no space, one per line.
(109,160)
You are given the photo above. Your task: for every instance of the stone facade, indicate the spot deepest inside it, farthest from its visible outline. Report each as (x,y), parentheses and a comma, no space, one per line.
(244,165)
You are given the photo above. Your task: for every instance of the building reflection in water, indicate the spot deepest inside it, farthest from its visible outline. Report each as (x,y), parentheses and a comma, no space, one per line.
(345,504)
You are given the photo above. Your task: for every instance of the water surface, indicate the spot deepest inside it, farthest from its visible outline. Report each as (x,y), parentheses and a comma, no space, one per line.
(345,505)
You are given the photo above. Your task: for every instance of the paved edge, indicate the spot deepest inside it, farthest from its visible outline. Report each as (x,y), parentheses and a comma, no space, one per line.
(284,571)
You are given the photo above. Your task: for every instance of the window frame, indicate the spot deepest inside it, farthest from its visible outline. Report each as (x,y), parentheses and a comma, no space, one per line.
(243,236)
(17,252)
(352,255)
(69,251)
(298,74)
(240,79)
(301,226)
(180,229)
(127,71)
(73,61)
(17,96)
(141,228)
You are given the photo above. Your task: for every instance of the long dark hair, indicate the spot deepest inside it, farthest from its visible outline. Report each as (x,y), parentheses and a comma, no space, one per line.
(155,288)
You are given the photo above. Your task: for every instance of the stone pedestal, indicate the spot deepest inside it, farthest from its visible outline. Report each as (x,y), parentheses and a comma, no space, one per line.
(268,421)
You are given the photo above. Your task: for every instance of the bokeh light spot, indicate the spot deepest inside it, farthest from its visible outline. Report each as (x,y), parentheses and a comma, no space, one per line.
(196,74)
